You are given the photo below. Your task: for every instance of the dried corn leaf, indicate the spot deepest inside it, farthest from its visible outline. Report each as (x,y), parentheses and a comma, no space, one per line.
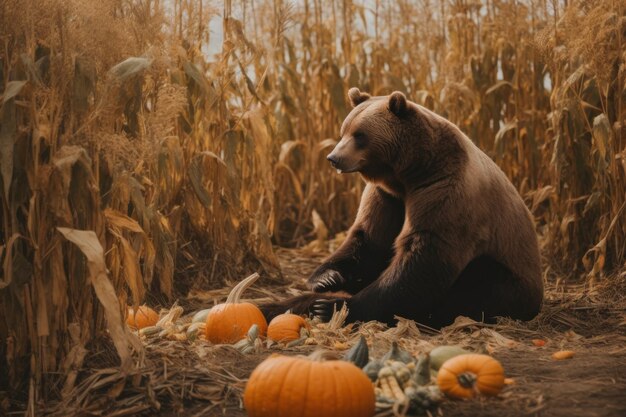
(121,221)
(198,78)
(7,251)
(8,132)
(499,85)
(602,134)
(129,67)
(132,271)
(90,246)
(12,89)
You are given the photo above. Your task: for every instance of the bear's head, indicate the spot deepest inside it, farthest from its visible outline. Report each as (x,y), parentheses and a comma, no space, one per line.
(371,134)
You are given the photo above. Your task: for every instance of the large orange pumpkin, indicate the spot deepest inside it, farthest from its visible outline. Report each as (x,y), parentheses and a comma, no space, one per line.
(286,327)
(464,376)
(143,317)
(286,386)
(229,322)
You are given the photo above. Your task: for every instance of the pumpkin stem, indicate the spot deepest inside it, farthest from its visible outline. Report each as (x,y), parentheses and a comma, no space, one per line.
(236,292)
(467,379)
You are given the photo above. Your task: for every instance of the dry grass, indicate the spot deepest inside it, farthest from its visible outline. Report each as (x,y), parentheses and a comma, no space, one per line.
(113,120)
(199,379)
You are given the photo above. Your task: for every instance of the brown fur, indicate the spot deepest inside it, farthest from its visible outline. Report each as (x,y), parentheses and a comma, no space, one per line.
(440,231)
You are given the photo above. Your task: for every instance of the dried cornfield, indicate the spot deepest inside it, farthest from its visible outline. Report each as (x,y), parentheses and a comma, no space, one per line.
(186,167)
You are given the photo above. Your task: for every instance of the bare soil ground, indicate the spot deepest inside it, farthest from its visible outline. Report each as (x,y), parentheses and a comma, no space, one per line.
(196,379)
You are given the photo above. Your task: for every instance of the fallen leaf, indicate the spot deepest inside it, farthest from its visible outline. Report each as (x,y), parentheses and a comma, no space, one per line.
(490,349)
(539,342)
(340,345)
(572,335)
(509,381)
(563,354)
(498,339)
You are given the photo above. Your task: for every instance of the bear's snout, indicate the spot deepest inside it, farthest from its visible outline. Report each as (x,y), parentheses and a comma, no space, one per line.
(332,159)
(338,163)
(345,157)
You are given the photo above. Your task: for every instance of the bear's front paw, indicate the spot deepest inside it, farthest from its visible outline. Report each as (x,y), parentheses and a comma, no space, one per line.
(327,281)
(324,308)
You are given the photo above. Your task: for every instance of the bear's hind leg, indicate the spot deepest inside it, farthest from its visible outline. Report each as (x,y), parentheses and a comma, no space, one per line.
(486,289)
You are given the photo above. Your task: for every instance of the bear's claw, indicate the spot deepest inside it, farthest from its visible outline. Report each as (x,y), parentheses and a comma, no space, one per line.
(324,308)
(329,280)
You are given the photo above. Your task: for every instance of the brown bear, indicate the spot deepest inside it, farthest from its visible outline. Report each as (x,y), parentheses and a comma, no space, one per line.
(440,231)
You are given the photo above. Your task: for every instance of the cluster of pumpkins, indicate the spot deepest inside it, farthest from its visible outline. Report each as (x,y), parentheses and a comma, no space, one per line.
(357,386)
(228,322)
(353,386)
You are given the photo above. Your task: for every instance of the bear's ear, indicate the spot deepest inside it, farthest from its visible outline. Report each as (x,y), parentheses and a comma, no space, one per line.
(397,103)
(356,97)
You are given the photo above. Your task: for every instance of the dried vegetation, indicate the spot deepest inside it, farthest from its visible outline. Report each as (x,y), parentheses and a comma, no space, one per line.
(184,168)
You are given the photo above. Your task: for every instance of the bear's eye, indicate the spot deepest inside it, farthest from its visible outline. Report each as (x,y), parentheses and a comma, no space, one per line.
(360,139)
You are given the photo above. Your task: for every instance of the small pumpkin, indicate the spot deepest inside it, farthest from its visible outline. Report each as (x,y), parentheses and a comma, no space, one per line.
(143,317)
(230,321)
(466,375)
(358,354)
(285,386)
(286,327)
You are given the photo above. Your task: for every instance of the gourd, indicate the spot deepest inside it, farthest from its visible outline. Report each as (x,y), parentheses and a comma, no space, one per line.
(372,368)
(397,354)
(441,354)
(422,370)
(170,318)
(389,385)
(251,342)
(466,375)
(194,329)
(286,327)
(285,386)
(358,354)
(200,316)
(143,317)
(169,326)
(422,399)
(229,322)
(401,371)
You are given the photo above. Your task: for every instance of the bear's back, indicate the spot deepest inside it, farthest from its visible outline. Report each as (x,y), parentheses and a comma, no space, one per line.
(498,204)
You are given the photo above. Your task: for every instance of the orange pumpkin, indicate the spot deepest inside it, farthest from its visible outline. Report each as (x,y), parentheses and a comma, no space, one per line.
(229,322)
(285,386)
(143,317)
(464,376)
(286,327)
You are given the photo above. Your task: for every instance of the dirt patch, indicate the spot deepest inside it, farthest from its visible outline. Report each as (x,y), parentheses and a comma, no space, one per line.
(197,379)
(591,384)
